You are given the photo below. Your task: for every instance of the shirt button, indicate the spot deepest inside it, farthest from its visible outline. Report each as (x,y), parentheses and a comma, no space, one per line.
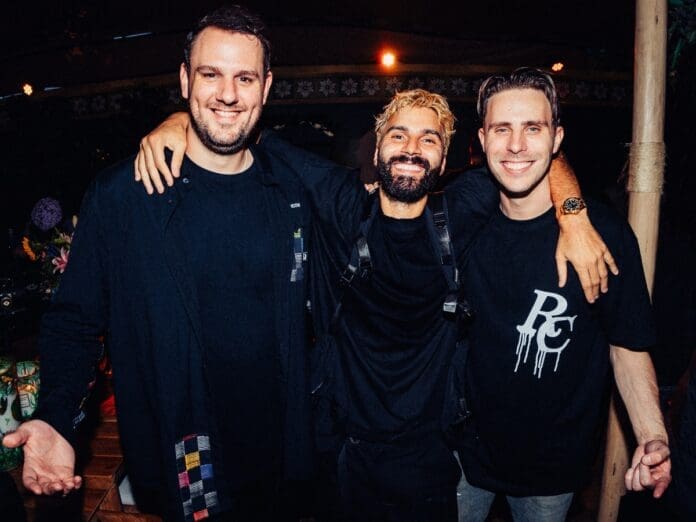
(185,180)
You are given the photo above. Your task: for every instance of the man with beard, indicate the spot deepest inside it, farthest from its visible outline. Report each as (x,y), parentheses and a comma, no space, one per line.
(200,294)
(384,343)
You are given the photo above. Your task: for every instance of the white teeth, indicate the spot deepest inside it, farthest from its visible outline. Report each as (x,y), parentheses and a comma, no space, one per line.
(408,167)
(516,165)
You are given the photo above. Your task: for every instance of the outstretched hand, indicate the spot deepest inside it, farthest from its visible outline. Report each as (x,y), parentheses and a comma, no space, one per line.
(580,244)
(150,163)
(49,459)
(651,468)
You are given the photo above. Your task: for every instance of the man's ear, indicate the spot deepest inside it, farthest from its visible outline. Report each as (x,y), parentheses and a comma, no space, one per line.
(267,86)
(482,139)
(558,139)
(184,81)
(444,163)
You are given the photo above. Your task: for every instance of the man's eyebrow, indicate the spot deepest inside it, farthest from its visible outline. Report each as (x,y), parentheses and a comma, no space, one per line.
(406,129)
(208,68)
(539,123)
(217,70)
(250,72)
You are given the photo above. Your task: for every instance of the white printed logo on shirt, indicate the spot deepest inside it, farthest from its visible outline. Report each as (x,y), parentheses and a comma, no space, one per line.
(548,307)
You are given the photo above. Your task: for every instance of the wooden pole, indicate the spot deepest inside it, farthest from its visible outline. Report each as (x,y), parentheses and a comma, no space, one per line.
(646,174)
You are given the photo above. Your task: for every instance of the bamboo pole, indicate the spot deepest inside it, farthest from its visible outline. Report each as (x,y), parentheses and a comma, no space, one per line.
(646,174)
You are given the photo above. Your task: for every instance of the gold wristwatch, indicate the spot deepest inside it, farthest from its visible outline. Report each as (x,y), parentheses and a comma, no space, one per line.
(573,206)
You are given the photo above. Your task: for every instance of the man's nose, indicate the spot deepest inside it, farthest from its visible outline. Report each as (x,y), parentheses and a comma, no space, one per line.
(517,142)
(412,146)
(228,91)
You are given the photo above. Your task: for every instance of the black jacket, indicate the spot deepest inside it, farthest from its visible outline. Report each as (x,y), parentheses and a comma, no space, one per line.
(128,279)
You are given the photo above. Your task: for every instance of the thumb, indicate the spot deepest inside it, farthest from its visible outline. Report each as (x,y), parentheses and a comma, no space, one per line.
(16,438)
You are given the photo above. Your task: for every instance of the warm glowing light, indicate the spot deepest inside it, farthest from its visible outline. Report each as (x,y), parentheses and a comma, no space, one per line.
(557,67)
(388,59)
(27,89)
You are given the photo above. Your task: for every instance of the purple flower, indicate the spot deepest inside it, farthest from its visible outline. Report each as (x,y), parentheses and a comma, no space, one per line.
(46,214)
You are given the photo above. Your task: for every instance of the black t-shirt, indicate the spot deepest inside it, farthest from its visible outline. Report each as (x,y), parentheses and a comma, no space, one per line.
(395,341)
(538,365)
(392,344)
(224,222)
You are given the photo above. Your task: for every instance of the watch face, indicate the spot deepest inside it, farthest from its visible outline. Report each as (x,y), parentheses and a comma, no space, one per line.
(573,205)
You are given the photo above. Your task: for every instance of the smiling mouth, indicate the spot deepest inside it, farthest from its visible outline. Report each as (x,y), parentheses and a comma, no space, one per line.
(517,166)
(225,114)
(408,168)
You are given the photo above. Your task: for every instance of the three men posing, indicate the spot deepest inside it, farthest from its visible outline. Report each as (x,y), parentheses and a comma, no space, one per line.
(384,342)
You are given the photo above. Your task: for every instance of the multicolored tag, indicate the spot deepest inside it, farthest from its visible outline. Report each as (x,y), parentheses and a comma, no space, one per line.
(196,484)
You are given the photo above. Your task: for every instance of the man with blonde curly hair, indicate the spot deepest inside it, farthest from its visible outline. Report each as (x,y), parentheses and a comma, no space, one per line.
(404,187)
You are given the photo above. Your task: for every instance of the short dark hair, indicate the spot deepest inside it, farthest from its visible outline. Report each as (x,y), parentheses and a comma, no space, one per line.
(522,78)
(236,19)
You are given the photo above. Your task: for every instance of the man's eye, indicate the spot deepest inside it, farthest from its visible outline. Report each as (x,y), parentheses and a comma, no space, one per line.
(533,130)
(500,130)
(246,79)
(429,141)
(208,74)
(397,136)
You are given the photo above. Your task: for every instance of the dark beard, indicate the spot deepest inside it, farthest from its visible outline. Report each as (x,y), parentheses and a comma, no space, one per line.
(404,188)
(226,149)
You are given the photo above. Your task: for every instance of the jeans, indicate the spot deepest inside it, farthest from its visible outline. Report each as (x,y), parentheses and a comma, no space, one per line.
(474,504)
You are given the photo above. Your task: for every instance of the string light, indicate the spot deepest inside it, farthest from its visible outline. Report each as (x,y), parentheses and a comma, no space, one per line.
(27,89)
(388,59)
(557,67)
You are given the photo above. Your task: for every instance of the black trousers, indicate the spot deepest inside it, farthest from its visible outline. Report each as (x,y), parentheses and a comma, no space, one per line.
(407,480)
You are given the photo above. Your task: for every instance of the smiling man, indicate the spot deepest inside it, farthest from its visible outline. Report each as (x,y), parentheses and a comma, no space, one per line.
(200,294)
(537,374)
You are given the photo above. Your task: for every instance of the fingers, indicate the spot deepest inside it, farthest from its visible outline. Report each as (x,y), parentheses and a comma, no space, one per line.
(629,479)
(53,487)
(589,280)
(152,171)
(603,276)
(562,270)
(644,477)
(657,452)
(177,160)
(611,262)
(163,168)
(651,468)
(50,484)
(142,168)
(661,487)
(137,169)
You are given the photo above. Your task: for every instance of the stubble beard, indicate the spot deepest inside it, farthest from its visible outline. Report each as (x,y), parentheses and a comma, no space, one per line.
(219,147)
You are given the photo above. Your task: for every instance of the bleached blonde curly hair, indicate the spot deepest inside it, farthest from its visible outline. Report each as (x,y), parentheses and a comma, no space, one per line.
(418,98)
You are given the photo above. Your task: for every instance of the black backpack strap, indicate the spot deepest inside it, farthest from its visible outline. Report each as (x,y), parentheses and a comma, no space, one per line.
(455,305)
(440,236)
(456,416)
(360,262)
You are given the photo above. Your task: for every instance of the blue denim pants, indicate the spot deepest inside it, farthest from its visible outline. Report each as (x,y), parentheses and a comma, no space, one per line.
(473,505)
